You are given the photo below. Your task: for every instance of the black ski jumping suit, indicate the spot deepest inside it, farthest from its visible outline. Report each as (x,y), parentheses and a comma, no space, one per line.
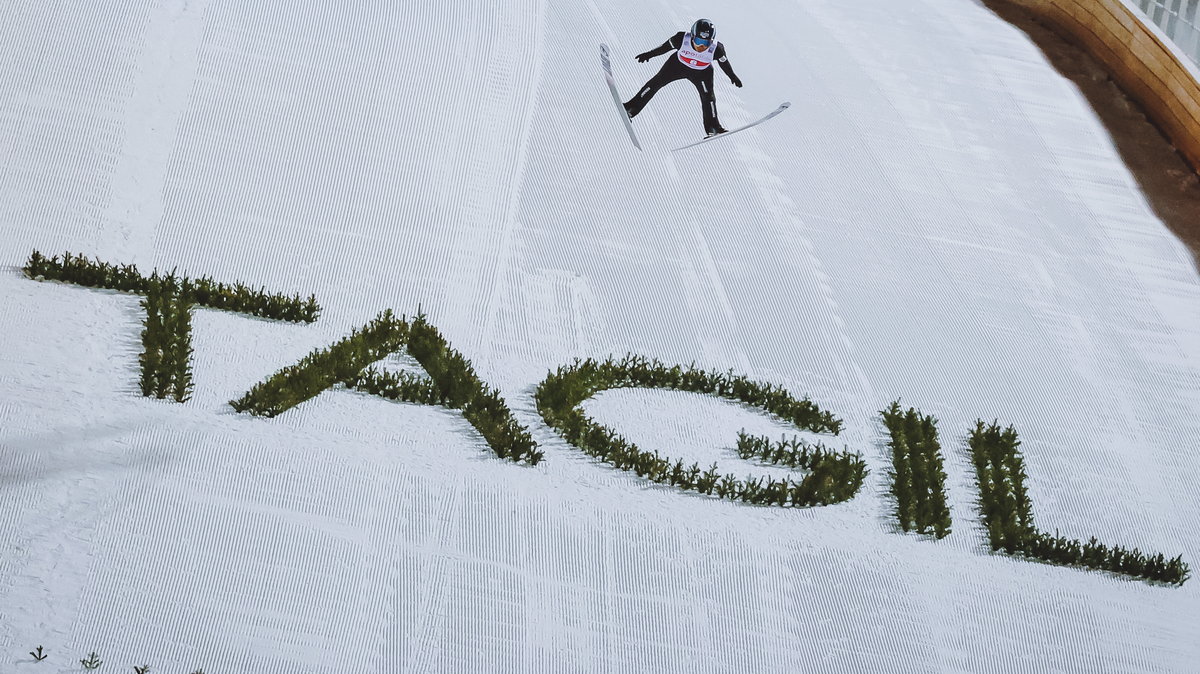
(675,69)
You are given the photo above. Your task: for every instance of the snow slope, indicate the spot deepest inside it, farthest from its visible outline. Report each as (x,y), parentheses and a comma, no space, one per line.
(939,218)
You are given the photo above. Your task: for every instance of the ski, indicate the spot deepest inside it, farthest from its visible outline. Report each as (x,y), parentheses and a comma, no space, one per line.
(606,61)
(776,111)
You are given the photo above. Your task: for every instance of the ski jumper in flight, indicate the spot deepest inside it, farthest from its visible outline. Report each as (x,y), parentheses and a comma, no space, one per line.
(695,52)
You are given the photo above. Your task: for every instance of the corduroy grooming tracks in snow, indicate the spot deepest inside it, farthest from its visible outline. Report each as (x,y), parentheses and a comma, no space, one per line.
(939,219)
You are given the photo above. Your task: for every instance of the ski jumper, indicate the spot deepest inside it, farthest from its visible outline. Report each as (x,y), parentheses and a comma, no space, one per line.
(690,64)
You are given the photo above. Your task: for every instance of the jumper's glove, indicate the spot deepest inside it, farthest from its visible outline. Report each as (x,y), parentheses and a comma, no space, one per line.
(736,82)
(642,58)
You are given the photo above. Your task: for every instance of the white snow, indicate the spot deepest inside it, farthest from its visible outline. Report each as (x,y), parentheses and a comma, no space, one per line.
(939,218)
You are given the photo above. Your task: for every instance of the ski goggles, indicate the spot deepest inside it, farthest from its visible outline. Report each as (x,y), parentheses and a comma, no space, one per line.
(700,41)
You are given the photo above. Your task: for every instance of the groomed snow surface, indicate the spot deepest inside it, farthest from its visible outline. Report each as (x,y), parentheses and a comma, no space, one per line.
(939,218)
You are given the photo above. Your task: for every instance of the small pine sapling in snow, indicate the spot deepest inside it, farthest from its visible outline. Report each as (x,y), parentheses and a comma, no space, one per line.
(677,472)
(727,487)
(708,481)
(36,267)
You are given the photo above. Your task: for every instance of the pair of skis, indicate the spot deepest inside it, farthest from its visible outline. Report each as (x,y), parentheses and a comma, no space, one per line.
(606,61)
